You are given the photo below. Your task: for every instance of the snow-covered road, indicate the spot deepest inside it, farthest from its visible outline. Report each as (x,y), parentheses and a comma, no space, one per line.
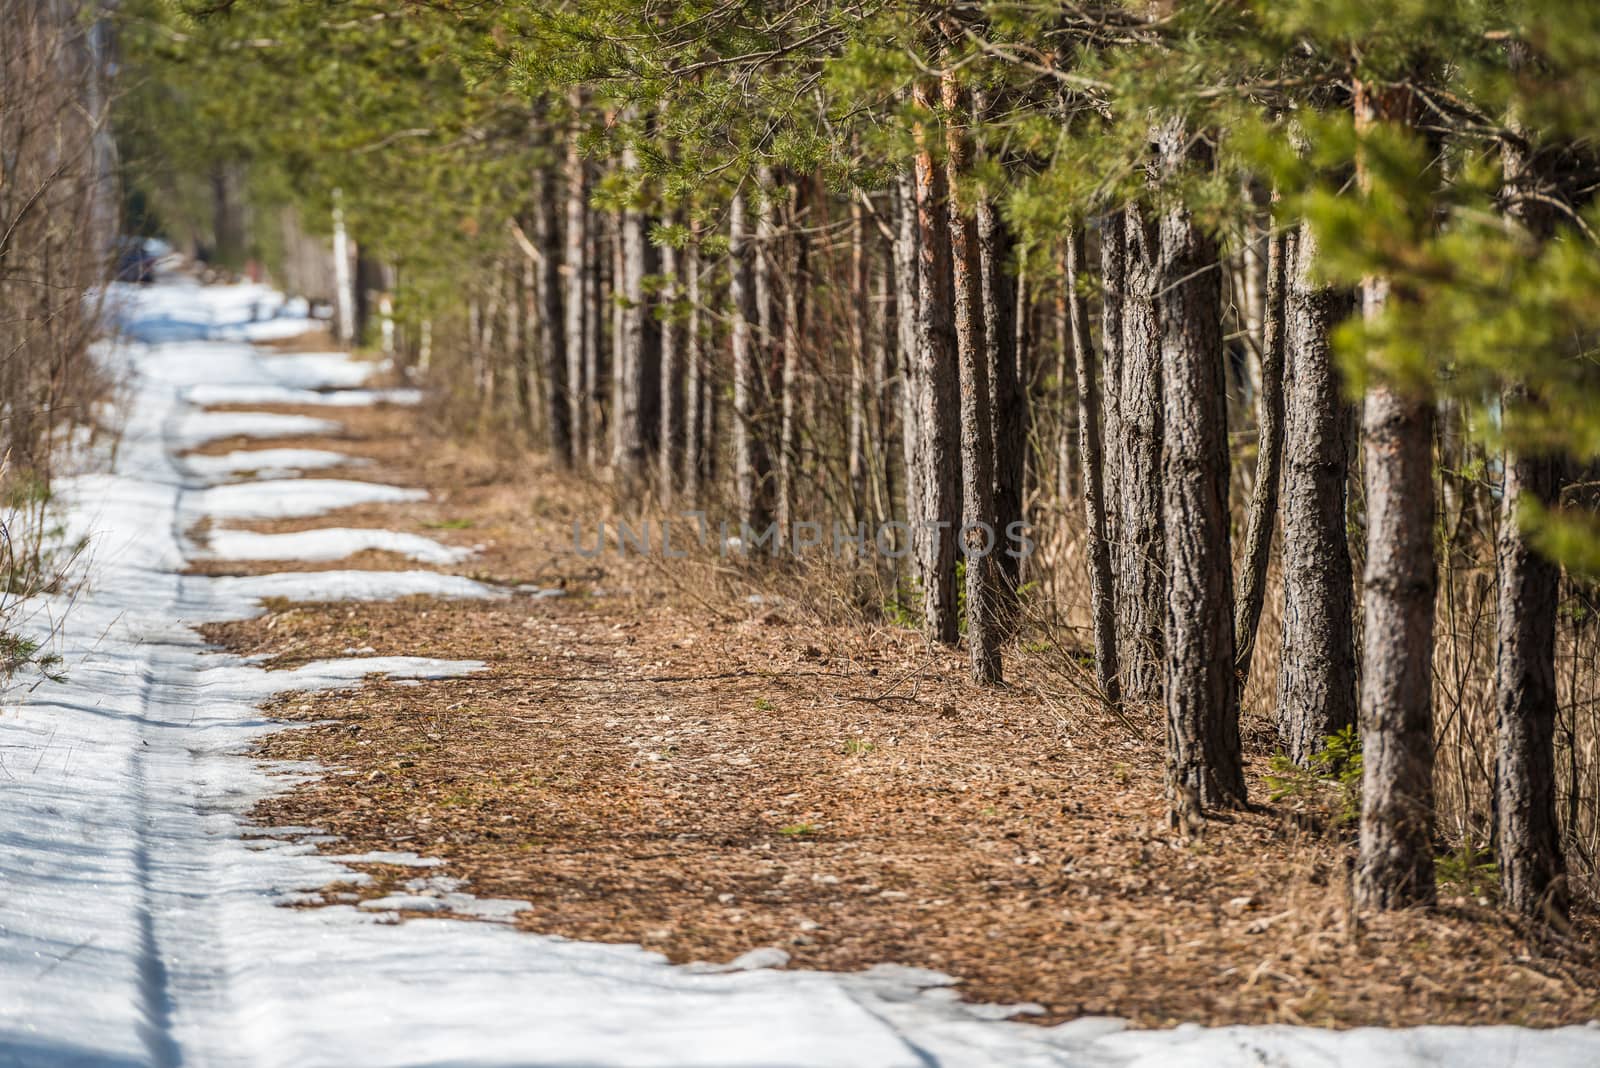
(140,918)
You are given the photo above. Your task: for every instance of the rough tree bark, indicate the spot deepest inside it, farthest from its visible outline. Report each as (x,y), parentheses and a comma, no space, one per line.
(1102,603)
(671,388)
(750,461)
(980,541)
(596,353)
(1008,392)
(1269,458)
(1527,836)
(1396,858)
(1398,587)
(1317,669)
(795,251)
(1113,286)
(939,448)
(1007,382)
(1202,697)
(694,415)
(768,317)
(638,371)
(906,282)
(885,391)
(1141,592)
(856,401)
(575,272)
(552,324)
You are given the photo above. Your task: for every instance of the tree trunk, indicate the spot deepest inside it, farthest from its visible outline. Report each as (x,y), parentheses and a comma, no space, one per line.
(793,325)
(1008,392)
(1007,382)
(343,292)
(670,389)
(1113,286)
(907,259)
(770,337)
(521,286)
(1398,590)
(1317,670)
(980,541)
(552,325)
(638,371)
(1141,593)
(694,424)
(1396,861)
(595,350)
(1269,459)
(1527,836)
(1202,696)
(576,272)
(885,392)
(1102,604)
(750,461)
(856,401)
(1066,447)
(939,447)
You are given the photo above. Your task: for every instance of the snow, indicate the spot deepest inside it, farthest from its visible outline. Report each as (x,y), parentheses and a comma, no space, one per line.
(328,543)
(194,429)
(316,370)
(139,918)
(267,463)
(345,586)
(283,498)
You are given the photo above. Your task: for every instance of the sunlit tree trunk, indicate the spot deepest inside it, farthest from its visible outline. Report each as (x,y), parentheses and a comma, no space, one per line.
(1527,836)
(1317,666)
(670,390)
(1202,695)
(980,541)
(694,415)
(1141,566)
(1102,604)
(1397,800)
(575,275)
(750,459)
(939,443)
(638,365)
(792,409)
(907,274)
(1007,381)
(856,400)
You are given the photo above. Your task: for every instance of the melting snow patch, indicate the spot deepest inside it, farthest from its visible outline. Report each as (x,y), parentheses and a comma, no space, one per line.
(384,856)
(292,497)
(267,463)
(197,428)
(319,370)
(333,543)
(348,586)
(412,902)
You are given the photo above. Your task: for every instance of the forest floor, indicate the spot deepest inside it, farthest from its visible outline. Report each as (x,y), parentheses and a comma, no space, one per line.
(707,758)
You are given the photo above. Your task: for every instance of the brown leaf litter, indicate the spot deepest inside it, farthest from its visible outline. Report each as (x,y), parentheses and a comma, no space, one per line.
(653,758)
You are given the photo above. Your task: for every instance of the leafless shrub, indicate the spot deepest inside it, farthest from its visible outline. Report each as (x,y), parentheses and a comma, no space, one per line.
(57,230)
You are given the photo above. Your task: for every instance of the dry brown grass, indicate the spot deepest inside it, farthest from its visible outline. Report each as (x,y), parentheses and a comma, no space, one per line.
(674,764)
